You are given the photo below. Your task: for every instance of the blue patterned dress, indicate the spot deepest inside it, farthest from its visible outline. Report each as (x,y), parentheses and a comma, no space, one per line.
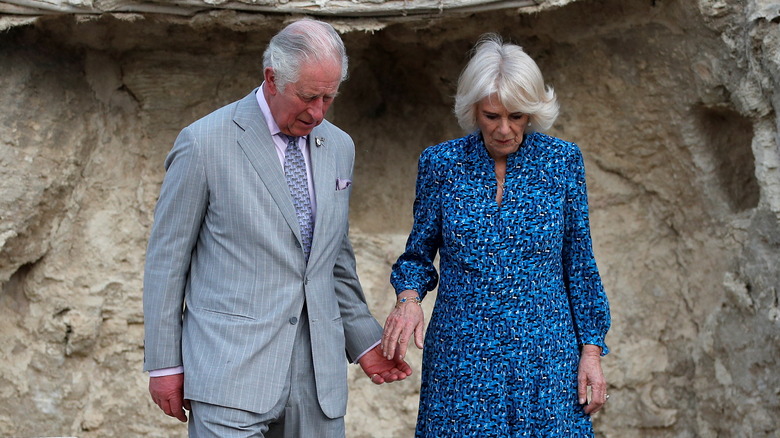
(520,291)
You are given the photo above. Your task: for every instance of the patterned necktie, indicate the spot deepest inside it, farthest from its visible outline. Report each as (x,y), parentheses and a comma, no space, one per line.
(297,181)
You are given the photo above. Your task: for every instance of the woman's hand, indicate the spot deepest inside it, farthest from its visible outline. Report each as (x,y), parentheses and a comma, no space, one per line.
(590,374)
(405,319)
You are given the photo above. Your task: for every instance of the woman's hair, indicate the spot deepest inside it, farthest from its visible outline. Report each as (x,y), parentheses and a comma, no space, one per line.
(505,70)
(301,42)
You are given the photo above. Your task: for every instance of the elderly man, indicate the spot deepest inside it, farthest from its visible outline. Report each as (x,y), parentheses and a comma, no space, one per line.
(251,297)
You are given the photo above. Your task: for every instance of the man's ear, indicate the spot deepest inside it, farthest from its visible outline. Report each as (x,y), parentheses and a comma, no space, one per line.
(270,80)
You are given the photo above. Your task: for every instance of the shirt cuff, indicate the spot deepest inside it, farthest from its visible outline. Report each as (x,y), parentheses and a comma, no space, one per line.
(167,371)
(369,349)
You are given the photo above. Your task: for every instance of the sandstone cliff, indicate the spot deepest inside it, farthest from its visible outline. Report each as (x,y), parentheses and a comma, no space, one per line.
(674,103)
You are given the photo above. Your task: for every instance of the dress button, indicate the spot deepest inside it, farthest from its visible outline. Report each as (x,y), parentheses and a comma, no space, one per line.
(293,320)
(306,280)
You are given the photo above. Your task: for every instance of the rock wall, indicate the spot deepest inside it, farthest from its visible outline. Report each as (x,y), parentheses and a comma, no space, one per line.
(674,104)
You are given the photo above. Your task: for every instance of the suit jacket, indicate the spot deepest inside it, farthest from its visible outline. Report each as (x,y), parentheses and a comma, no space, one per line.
(226,278)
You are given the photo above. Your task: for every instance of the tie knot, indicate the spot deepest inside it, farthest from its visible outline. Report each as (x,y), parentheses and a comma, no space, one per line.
(291,140)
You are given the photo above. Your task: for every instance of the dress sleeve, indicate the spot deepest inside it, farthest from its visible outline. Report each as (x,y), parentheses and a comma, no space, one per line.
(414,269)
(589,304)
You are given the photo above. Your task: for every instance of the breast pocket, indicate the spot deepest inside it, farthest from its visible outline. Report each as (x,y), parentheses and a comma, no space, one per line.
(341,202)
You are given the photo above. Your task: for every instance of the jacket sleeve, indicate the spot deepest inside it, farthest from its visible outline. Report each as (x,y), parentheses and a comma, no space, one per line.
(361,329)
(177,221)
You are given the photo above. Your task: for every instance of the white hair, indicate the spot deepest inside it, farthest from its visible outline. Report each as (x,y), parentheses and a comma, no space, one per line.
(301,42)
(504,70)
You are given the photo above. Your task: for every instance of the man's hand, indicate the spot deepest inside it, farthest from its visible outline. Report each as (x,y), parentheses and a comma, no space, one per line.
(405,320)
(168,393)
(382,370)
(590,374)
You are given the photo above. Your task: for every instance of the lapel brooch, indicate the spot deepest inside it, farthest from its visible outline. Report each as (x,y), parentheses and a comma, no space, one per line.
(319,141)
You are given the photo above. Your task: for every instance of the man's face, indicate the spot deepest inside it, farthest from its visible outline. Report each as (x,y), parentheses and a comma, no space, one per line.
(303,104)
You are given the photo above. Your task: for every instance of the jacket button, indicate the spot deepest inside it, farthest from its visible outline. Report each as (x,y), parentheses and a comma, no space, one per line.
(293,320)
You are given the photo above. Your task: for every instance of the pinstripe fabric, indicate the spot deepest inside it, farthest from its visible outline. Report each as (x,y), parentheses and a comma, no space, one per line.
(291,417)
(226,243)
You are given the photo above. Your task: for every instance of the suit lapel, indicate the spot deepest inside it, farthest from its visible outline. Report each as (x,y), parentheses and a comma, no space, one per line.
(258,146)
(323,170)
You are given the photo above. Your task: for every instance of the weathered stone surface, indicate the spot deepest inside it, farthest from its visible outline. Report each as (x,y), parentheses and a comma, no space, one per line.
(330,8)
(674,104)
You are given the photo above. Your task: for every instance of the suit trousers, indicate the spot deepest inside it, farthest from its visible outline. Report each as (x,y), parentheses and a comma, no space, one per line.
(296,415)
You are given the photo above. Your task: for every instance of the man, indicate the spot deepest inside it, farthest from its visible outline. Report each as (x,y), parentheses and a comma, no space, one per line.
(251,297)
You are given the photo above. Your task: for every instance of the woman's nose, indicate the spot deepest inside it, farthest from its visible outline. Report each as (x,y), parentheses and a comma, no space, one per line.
(503,127)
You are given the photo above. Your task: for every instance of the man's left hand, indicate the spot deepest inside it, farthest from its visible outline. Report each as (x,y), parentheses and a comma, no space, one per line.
(382,370)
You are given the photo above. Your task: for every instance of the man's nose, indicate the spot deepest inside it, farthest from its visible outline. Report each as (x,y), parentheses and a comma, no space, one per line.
(317,109)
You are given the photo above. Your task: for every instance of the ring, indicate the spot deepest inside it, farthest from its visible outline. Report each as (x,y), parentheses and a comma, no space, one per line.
(607,397)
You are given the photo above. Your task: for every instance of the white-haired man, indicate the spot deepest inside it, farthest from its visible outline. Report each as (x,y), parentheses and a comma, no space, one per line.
(251,297)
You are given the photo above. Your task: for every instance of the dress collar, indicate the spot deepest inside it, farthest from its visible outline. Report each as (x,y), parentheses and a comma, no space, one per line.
(483,161)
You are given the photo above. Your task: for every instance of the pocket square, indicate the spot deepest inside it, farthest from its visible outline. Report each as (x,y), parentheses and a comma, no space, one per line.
(342,184)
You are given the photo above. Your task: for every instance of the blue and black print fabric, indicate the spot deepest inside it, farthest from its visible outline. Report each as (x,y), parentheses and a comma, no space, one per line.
(519,293)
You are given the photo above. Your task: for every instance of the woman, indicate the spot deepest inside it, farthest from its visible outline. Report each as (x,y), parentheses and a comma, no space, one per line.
(518,327)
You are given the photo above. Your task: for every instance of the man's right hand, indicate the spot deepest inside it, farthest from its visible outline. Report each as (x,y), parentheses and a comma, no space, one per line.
(168,393)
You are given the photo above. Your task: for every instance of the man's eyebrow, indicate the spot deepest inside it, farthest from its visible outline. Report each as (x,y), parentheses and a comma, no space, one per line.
(308,96)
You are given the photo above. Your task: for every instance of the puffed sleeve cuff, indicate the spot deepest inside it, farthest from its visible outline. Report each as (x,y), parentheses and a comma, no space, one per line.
(413,276)
(597,341)
(401,288)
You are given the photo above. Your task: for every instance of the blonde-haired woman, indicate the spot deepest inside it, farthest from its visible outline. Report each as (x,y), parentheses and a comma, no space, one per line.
(517,331)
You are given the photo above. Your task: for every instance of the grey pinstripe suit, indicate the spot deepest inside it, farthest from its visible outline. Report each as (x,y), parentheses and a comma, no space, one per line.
(226,242)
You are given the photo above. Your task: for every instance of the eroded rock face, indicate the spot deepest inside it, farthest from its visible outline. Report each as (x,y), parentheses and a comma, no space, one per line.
(674,104)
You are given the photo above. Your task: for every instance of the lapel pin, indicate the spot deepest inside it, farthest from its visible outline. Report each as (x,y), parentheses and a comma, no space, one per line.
(318,141)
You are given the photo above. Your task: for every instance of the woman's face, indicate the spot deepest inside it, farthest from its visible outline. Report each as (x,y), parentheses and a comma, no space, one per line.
(501,130)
